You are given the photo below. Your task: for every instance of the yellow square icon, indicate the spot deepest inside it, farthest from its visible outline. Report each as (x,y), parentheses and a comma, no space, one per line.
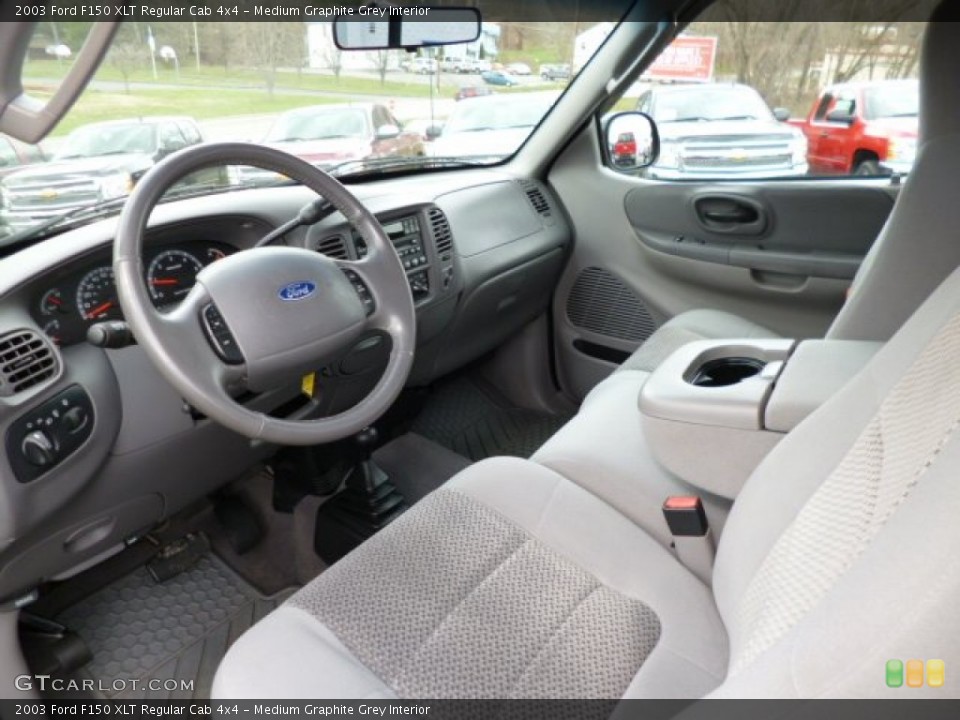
(935,673)
(914,673)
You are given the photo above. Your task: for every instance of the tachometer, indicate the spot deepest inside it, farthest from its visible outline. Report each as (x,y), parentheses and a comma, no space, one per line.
(97,295)
(171,275)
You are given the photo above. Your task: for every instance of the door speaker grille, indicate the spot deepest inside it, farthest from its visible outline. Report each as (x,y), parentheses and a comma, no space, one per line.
(601,303)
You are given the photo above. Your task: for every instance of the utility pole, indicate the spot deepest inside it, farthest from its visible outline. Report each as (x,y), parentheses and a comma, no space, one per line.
(196,45)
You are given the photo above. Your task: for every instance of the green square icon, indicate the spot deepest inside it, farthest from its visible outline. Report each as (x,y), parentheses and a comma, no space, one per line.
(894,673)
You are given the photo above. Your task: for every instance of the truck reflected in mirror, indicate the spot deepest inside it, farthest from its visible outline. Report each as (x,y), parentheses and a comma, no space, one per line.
(632,141)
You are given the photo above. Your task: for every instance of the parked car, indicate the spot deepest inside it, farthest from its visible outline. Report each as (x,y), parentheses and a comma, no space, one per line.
(864,128)
(499,77)
(721,131)
(492,127)
(328,135)
(15,154)
(473,66)
(472,91)
(99,161)
(553,73)
(519,68)
(421,66)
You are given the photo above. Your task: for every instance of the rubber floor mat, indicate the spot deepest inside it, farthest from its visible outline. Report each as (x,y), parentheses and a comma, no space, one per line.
(471,421)
(143,635)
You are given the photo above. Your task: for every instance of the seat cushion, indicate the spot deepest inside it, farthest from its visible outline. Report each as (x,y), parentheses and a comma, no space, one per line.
(603,449)
(689,327)
(510,581)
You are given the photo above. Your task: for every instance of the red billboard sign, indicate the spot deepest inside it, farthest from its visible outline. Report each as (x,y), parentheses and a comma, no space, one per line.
(686,58)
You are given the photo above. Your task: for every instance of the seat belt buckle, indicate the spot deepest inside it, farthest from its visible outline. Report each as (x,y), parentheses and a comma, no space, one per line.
(692,538)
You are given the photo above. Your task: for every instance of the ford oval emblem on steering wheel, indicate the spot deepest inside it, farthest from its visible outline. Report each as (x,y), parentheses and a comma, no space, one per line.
(297,291)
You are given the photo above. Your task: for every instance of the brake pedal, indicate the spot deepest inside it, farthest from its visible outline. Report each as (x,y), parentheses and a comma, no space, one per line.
(178,556)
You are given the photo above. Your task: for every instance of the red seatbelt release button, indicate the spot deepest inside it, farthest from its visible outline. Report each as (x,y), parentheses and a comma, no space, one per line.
(685,516)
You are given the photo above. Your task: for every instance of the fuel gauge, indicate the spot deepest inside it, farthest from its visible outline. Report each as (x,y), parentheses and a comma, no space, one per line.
(52,303)
(52,330)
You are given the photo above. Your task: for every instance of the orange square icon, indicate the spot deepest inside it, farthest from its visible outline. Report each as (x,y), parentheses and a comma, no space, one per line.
(935,673)
(914,673)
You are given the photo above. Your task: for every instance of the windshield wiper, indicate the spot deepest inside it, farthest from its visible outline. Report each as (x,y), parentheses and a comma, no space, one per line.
(352,168)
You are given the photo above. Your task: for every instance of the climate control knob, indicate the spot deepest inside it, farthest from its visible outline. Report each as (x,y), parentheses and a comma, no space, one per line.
(39,449)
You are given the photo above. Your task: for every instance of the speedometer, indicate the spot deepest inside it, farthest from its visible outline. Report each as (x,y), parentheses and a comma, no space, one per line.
(171,276)
(97,295)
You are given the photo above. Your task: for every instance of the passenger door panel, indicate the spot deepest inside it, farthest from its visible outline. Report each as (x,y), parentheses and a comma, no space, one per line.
(779,253)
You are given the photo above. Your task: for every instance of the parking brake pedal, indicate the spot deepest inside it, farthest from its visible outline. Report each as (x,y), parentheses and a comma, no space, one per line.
(178,556)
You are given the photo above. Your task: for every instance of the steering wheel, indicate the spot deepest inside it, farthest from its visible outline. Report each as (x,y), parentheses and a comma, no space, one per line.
(267,316)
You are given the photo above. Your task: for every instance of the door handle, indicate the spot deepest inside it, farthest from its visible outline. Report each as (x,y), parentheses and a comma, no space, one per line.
(741,215)
(730,214)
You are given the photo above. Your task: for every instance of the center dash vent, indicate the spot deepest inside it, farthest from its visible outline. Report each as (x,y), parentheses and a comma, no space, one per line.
(442,235)
(333,247)
(537,199)
(26,359)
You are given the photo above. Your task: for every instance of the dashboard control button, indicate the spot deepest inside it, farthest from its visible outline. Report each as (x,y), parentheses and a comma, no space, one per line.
(220,336)
(39,449)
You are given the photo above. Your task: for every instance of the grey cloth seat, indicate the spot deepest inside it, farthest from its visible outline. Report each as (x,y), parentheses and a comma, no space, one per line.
(512,581)
(915,251)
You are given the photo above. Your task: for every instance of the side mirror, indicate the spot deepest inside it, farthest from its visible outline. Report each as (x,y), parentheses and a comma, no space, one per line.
(387,132)
(632,141)
(781,114)
(433,132)
(839,116)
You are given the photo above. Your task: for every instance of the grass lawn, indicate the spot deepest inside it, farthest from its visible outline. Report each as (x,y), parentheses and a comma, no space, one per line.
(95,105)
(245,78)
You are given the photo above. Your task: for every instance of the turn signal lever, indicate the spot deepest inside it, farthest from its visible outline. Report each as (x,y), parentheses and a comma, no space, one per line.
(111,334)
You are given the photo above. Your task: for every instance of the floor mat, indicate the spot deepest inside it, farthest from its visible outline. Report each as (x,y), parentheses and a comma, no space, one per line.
(418,466)
(179,630)
(470,420)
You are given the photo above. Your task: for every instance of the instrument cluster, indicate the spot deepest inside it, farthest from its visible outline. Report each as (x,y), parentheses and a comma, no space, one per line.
(66,309)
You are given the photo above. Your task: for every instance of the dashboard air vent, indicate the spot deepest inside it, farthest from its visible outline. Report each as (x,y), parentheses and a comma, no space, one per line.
(333,247)
(26,359)
(536,197)
(442,234)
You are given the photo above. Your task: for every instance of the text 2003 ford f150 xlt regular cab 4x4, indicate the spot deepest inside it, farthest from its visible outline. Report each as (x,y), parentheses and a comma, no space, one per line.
(863,128)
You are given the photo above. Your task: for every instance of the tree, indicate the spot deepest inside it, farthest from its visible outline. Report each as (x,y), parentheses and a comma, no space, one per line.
(381,62)
(126,57)
(270,46)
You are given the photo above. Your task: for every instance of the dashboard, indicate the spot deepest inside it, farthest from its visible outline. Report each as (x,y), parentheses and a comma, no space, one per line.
(67,305)
(100,448)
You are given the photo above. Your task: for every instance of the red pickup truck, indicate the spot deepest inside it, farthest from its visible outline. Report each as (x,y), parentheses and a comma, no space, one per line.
(865,128)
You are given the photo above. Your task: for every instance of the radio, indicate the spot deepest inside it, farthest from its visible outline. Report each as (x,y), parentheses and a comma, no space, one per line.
(407,239)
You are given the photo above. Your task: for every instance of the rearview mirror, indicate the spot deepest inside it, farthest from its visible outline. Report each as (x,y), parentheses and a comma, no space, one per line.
(632,141)
(433,132)
(438,26)
(781,114)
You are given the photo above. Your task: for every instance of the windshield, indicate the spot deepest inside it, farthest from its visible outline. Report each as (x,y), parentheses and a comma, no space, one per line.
(482,115)
(894,100)
(706,104)
(319,124)
(97,140)
(170,85)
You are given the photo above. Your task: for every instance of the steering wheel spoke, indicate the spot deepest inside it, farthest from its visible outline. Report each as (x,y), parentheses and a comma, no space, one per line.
(195,326)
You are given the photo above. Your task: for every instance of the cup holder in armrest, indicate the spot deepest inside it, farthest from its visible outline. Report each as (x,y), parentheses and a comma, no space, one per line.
(725,372)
